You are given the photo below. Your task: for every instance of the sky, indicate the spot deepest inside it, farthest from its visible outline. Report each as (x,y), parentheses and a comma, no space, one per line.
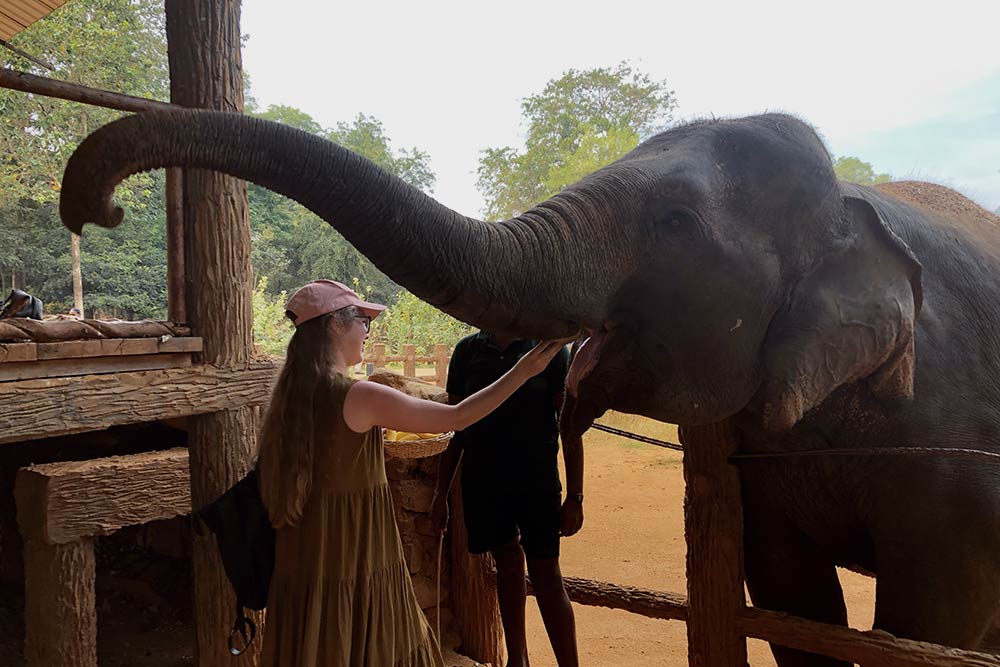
(914,91)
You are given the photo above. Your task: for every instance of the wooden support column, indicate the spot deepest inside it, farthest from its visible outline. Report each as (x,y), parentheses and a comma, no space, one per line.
(176,310)
(410,360)
(713,528)
(473,592)
(60,610)
(206,71)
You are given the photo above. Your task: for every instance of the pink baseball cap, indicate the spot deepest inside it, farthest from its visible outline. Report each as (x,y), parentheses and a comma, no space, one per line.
(325,296)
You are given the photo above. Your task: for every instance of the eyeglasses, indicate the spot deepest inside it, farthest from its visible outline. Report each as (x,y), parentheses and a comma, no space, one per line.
(366,320)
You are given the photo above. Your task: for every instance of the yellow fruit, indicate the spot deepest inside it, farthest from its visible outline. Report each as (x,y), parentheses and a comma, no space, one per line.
(390,435)
(425,436)
(403,437)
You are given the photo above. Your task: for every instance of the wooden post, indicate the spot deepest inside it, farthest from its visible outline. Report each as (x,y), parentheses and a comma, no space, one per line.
(473,592)
(60,612)
(441,364)
(206,71)
(713,528)
(379,352)
(176,310)
(410,360)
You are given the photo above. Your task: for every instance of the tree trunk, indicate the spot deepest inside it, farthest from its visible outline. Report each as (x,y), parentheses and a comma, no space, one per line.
(77,273)
(206,71)
(473,592)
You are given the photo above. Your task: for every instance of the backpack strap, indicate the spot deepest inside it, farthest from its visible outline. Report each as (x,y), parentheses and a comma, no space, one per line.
(244,627)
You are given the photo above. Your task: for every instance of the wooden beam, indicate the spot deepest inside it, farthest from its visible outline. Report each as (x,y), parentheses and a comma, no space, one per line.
(59,406)
(53,368)
(641,601)
(60,605)
(59,503)
(713,529)
(872,649)
(40,85)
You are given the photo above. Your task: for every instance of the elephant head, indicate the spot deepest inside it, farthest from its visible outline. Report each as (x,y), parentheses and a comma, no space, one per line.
(718,266)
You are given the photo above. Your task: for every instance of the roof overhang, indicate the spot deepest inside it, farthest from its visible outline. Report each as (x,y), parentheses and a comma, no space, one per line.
(16,15)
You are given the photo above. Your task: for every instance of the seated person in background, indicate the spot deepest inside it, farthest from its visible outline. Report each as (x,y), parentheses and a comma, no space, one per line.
(511,490)
(74,312)
(21,304)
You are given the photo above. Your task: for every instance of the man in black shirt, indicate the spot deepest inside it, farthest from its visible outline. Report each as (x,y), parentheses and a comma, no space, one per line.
(510,487)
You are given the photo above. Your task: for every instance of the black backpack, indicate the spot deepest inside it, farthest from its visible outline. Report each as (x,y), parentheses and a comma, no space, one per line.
(246,544)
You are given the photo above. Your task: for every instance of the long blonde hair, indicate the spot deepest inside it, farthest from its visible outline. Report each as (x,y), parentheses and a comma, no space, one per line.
(287,439)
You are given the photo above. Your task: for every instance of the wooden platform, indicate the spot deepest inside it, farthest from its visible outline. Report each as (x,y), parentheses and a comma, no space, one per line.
(24,361)
(43,407)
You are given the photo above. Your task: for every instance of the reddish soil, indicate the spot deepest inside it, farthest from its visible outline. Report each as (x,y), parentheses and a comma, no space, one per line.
(633,534)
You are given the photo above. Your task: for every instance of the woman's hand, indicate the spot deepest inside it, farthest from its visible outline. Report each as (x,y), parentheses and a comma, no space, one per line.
(535,361)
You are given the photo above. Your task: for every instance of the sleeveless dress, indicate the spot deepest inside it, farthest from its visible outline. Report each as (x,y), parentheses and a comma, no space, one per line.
(341,594)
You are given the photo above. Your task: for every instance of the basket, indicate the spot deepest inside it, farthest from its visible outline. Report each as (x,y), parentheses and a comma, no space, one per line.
(416,449)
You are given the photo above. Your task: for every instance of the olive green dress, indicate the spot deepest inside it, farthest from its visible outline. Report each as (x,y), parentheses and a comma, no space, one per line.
(341,594)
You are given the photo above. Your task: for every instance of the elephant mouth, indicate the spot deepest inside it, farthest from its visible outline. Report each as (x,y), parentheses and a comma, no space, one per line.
(587,356)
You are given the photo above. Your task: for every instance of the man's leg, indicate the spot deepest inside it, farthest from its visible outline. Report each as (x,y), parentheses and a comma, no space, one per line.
(511,595)
(557,612)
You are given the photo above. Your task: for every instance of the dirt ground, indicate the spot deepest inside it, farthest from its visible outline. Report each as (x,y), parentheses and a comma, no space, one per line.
(633,534)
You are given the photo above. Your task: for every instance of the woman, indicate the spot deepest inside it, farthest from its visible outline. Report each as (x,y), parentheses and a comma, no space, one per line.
(340,593)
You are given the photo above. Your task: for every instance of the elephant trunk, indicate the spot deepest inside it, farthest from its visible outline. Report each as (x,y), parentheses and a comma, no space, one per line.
(529,276)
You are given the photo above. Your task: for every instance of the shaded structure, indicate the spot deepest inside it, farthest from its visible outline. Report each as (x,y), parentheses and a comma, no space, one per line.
(220,389)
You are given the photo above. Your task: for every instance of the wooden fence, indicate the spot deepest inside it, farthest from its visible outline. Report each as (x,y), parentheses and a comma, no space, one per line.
(715,610)
(442,355)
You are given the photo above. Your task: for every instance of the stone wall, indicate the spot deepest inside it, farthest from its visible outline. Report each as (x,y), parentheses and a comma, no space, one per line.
(412,482)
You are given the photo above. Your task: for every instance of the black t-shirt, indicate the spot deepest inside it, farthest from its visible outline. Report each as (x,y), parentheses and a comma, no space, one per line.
(516,445)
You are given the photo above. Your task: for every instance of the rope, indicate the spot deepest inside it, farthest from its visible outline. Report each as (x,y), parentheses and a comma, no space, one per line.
(882,451)
(636,436)
(440,550)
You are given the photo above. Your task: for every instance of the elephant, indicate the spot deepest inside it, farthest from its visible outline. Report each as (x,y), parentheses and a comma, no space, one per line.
(721,272)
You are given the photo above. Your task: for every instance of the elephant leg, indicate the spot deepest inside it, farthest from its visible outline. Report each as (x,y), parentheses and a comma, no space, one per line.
(948,597)
(785,572)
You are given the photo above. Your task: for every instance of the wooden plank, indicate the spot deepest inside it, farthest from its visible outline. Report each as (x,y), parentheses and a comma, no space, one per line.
(713,529)
(60,604)
(126,346)
(872,649)
(52,368)
(186,344)
(18,352)
(49,407)
(70,349)
(59,503)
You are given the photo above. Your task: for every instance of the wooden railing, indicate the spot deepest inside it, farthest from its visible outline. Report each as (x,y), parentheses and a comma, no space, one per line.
(409,358)
(715,610)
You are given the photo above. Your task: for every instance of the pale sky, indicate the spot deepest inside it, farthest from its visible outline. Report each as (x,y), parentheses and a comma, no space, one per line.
(914,90)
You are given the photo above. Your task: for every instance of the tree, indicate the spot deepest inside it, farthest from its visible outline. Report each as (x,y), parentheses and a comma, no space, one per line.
(114,44)
(854,170)
(292,246)
(577,124)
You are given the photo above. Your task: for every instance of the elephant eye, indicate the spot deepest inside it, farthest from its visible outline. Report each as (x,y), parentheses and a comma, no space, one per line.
(676,219)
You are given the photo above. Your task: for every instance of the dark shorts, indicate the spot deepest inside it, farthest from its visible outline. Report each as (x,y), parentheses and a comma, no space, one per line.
(493,519)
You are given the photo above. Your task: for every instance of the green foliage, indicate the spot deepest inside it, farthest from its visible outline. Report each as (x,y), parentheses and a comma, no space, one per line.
(271,329)
(412,321)
(854,170)
(576,125)
(292,246)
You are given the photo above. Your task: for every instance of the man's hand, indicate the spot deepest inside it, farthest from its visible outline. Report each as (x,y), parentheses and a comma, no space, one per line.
(439,513)
(570,517)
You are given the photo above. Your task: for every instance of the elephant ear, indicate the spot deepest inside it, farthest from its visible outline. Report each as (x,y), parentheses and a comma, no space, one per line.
(853,317)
